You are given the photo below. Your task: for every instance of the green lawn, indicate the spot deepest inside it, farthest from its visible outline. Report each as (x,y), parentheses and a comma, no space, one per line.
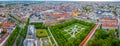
(0,24)
(41,33)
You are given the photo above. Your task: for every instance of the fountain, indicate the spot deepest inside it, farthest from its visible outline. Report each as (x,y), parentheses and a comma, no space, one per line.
(74,30)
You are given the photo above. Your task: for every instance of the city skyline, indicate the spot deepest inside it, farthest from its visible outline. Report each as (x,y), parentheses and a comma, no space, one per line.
(59,23)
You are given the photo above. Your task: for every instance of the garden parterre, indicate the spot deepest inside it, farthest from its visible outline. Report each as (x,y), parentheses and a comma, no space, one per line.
(64,37)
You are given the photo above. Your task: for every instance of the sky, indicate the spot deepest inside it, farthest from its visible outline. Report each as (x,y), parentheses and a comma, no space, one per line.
(59,0)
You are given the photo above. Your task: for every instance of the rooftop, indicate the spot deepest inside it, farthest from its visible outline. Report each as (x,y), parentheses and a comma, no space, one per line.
(109,22)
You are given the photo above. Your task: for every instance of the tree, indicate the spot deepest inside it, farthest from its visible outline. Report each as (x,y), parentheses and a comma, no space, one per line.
(100,34)
(12,36)
(101,7)
(0,24)
(102,39)
(18,41)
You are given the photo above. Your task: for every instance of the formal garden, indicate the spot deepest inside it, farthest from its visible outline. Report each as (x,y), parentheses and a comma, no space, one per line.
(73,30)
(41,33)
(71,33)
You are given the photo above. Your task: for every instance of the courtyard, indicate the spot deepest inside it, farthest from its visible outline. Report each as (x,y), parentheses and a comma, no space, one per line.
(42,38)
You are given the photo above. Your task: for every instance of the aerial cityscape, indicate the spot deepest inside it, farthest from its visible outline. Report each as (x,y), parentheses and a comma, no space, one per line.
(59,23)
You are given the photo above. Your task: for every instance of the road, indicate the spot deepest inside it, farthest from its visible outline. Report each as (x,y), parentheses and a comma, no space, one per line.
(4,41)
(13,19)
(118,26)
(17,36)
(91,33)
(52,37)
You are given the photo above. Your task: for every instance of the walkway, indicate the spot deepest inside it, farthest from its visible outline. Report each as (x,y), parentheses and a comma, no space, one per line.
(5,39)
(52,37)
(14,44)
(87,38)
(3,42)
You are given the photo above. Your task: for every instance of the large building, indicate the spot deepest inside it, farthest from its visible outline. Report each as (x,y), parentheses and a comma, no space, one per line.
(109,23)
(30,38)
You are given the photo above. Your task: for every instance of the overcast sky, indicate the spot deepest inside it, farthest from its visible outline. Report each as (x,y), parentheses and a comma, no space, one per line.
(59,0)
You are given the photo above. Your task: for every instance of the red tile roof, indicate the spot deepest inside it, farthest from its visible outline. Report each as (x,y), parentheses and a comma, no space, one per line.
(108,22)
(65,14)
(60,15)
(55,15)
(6,24)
